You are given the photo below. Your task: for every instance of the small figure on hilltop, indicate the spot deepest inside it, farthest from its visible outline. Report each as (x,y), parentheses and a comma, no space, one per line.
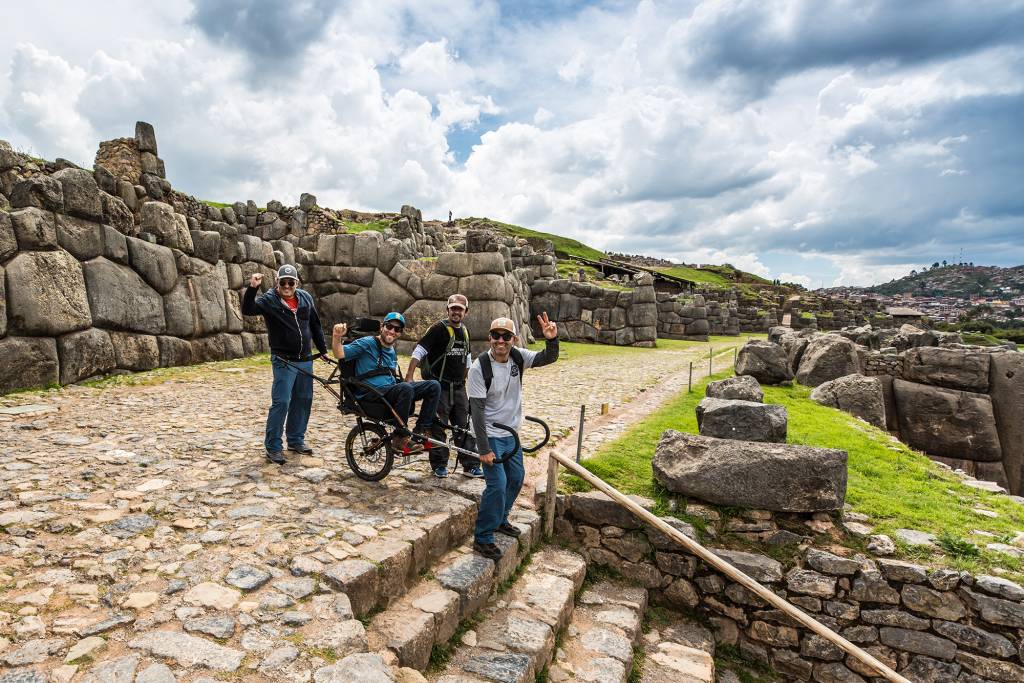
(449,216)
(293,327)
(443,354)
(376,364)
(496,397)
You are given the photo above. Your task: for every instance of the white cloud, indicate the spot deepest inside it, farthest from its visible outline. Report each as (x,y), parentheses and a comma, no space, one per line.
(796,279)
(636,128)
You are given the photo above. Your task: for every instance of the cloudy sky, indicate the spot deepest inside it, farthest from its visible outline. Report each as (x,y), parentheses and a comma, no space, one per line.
(821,142)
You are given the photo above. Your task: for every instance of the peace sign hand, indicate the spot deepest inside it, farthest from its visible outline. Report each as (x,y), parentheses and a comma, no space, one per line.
(547,327)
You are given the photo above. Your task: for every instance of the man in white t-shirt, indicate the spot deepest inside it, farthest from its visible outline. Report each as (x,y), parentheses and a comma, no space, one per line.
(496,397)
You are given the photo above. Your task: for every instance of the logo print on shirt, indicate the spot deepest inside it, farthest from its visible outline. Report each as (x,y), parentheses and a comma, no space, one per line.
(514,371)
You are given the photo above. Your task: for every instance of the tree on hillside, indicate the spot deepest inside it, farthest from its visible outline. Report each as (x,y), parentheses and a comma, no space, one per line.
(943,263)
(935,265)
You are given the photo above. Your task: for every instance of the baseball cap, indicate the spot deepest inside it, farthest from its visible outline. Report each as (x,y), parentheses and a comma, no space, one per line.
(394,315)
(503,324)
(288,270)
(458,300)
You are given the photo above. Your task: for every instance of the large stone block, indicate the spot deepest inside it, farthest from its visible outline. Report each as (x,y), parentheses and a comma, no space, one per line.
(85,354)
(35,229)
(949,368)
(135,351)
(482,313)
(145,137)
(740,387)
(206,244)
(764,361)
(455,263)
(725,418)
(3,303)
(41,191)
(174,351)
(422,314)
(8,240)
(155,263)
(117,214)
(386,295)
(763,476)
(364,249)
(948,423)
(45,293)
(480,287)
(170,228)
(179,315)
(826,358)
(121,300)
(1007,394)
(207,293)
(81,193)
(115,245)
(29,362)
(855,394)
(82,238)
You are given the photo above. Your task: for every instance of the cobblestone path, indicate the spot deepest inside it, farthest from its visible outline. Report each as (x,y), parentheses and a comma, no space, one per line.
(143,532)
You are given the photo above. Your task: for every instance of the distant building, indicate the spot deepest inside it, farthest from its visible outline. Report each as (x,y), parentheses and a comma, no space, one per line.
(902,315)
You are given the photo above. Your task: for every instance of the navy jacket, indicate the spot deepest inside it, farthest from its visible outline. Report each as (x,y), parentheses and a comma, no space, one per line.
(291,333)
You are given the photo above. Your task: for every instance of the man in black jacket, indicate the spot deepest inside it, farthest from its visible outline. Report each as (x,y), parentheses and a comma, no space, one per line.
(293,327)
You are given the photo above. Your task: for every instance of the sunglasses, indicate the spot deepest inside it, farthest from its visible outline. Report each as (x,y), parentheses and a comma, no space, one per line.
(503,336)
(393,327)
(287,283)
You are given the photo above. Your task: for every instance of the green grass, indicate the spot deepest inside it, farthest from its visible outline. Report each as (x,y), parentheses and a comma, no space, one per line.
(564,246)
(577,350)
(894,485)
(224,205)
(378,226)
(700,275)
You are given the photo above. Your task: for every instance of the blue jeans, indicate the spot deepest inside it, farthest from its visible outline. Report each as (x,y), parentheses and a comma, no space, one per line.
(403,396)
(504,481)
(291,400)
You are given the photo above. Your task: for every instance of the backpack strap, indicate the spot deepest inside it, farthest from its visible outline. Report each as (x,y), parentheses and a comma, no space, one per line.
(380,370)
(488,371)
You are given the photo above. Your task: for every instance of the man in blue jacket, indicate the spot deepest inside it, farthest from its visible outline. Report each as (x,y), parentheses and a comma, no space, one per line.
(293,327)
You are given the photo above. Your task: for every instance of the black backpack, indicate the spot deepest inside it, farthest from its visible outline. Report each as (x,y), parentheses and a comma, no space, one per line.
(485,366)
(427,369)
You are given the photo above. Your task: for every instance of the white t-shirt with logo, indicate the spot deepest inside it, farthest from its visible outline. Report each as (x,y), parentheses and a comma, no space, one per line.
(504,401)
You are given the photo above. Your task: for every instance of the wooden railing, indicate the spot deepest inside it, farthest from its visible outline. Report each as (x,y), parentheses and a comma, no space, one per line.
(694,548)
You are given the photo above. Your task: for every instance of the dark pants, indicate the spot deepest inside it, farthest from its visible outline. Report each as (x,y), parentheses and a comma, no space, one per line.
(453,409)
(403,395)
(291,397)
(504,481)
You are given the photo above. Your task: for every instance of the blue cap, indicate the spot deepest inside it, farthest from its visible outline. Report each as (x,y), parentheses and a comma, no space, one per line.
(394,315)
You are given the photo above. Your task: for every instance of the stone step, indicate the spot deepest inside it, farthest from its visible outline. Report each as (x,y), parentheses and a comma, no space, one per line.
(455,589)
(516,638)
(678,651)
(599,641)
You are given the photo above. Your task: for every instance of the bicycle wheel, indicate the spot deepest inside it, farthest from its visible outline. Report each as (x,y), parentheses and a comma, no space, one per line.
(368,451)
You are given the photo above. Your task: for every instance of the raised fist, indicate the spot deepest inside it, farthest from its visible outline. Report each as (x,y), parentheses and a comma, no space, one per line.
(340,329)
(255,280)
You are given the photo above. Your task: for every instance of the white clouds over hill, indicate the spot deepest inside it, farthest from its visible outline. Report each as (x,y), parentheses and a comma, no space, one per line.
(838,140)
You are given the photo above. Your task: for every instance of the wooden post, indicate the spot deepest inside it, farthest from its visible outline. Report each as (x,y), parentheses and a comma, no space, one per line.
(733,573)
(711,355)
(550,495)
(579,432)
(689,382)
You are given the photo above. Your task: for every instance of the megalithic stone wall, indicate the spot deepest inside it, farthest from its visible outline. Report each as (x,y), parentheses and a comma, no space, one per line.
(682,317)
(587,312)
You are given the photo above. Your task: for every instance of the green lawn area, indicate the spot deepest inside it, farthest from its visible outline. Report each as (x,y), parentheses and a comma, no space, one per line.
(574,350)
(378,226)
(894,485)
(696,275)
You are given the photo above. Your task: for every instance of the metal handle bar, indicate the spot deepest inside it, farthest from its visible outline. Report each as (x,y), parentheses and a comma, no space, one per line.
(547,433)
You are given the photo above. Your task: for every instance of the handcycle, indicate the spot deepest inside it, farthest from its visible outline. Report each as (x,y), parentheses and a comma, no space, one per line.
(369,445)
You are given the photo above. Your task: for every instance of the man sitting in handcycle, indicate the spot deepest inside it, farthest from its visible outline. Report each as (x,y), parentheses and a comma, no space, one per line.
(376,364)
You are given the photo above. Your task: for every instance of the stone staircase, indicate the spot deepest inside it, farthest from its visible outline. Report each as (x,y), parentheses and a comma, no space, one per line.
(679,650)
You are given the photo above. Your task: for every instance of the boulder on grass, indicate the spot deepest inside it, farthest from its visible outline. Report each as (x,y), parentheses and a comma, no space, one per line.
(744,420)
(764,361)
(826,358)
(740,387)
(762,476)
(857,395)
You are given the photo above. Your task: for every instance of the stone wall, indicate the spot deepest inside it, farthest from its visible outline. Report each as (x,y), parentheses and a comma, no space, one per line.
(586,312)
(98,275)
(930,625)
(682,317)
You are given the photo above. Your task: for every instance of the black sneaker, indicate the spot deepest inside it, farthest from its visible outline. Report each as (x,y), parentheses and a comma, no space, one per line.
(509,530)
(276,457)
(488,550)
(301,450)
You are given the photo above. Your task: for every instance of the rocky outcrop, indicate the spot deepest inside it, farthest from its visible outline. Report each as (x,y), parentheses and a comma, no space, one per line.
(827,357)
(764,361)
(743,420)
(1007,394)
(763,476)
(855,394)
(947,423)
(949,368)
